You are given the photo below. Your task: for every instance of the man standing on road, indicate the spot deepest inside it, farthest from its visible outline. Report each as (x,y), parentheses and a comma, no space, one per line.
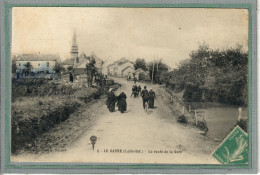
(134,80)
(145,96)
(151,98)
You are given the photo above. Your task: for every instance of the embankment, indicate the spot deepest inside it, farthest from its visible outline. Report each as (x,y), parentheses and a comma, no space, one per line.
(179,110)
(39,105)
(195,116)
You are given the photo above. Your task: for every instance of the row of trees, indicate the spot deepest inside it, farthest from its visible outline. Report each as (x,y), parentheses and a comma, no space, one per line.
(207,75)
(213,75)
(156,69)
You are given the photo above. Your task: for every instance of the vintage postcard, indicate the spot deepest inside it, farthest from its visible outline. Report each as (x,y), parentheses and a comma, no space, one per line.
(133,85)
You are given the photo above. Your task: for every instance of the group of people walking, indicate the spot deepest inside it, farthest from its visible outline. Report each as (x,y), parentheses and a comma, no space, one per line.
(148,97)
(113,99)
(136,90)
(120,100)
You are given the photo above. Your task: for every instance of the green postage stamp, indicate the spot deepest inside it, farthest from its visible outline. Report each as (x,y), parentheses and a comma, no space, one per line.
(234,149)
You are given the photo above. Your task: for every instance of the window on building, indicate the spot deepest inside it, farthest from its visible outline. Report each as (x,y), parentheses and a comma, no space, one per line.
(39,64)
(48,64)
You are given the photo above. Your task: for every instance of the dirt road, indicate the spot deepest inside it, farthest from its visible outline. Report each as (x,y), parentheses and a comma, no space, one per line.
(135,137)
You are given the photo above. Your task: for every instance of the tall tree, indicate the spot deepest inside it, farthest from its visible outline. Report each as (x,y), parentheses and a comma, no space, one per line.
(140,63)
(58,68)
(213,75)
(155,73)
(28,66)
(91,71)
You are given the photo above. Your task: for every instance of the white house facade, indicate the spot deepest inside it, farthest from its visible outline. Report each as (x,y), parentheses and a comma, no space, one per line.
(128,72)
(39,63)
(116,68)
(124,66)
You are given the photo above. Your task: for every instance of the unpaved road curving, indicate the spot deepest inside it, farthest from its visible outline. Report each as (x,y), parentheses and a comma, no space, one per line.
(133,137)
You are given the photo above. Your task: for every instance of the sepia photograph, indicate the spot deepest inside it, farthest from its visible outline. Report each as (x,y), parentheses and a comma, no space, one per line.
(130,85)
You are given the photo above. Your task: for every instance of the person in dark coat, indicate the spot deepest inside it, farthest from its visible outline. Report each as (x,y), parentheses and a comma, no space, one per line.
(139,90)
(111,101)
(135,80)
(122,105)
(145,96)
(151,98)
(133,90)
(71,77)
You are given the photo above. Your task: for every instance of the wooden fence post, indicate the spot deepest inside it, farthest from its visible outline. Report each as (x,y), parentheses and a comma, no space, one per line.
(239,113)
(189,108)
(196,119)
(183,110)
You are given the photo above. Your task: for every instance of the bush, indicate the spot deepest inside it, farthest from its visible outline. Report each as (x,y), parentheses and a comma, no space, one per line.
(39,104)
(86,94)
(109,82)
(39,87)
(144,77)
(203,126)
(182,119)
(29,122)
(35,112)
(243,124)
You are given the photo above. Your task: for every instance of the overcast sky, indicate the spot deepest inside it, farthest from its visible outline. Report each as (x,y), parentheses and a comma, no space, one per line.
(112,33)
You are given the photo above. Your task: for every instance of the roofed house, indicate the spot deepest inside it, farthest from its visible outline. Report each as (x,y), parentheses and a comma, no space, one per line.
(128,72)
(111,69)
(39,62)
(68,63)
(116,68)
(105,67)
(79,67)
(80,62)
(99,63)
(139,71)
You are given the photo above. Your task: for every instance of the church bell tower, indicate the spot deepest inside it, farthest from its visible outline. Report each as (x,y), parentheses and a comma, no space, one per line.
(74,48)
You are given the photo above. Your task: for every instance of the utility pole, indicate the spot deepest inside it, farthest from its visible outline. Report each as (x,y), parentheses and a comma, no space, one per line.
(157,62)
(157,70)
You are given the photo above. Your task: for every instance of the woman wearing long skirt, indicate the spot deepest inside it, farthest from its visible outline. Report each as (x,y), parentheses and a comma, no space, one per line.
(122,105)
(111,100)
(151,98)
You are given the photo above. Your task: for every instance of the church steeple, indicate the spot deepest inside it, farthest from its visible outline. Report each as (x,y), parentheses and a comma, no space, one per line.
(74,48)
